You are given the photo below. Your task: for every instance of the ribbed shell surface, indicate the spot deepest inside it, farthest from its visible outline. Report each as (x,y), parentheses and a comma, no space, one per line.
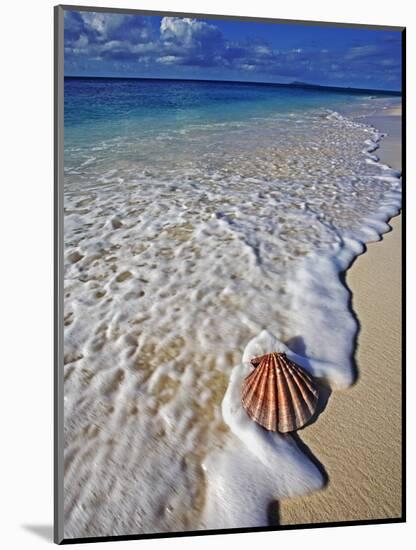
(278,394)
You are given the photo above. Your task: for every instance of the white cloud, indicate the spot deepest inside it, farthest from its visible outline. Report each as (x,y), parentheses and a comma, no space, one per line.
(358,52)
(103,23)
(262,50)
(168,59)
(184,30)
(82,42)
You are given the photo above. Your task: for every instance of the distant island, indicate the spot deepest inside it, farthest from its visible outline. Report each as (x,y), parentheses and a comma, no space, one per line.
(306,85)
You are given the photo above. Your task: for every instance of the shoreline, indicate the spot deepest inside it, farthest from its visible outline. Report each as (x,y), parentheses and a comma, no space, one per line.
(358,436)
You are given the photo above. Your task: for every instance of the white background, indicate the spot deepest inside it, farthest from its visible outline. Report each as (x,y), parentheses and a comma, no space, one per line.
(26,248)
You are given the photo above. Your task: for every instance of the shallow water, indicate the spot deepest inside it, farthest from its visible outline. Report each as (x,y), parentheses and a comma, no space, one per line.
(185,237)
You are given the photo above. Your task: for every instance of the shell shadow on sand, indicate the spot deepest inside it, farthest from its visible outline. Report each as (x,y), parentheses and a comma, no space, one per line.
(297,345)
(273,511)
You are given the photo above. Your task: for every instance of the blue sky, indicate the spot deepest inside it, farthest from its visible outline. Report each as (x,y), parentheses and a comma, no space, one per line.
(111,44)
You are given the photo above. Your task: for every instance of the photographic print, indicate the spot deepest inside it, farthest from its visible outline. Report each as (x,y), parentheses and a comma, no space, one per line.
(229,274)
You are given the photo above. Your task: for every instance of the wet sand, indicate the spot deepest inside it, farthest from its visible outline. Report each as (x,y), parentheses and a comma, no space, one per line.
(357,439)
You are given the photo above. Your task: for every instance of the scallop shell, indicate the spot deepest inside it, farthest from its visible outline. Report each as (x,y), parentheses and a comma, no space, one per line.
(278,394)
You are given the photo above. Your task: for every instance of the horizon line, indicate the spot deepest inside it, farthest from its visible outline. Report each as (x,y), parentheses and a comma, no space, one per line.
(294,84)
